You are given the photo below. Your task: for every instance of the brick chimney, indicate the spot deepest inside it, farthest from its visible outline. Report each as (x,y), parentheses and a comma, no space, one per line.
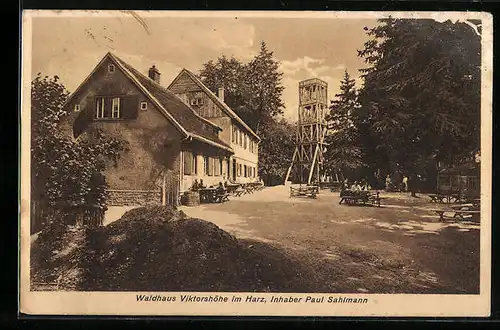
(220,94)
(154,74)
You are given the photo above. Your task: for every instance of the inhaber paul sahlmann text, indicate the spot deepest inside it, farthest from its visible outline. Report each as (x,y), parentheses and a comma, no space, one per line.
(248,299)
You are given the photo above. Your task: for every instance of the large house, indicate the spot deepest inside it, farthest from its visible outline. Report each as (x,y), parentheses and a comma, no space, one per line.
(174,135)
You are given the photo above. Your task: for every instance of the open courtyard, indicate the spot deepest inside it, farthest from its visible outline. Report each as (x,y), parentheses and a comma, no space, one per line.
(400,247)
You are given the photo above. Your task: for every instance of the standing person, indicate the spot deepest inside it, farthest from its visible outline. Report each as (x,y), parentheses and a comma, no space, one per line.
(405,183)
(345,184)
(413,182)
(387,182)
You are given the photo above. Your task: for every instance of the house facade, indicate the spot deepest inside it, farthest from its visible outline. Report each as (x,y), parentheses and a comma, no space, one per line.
(242,165)
(167,142)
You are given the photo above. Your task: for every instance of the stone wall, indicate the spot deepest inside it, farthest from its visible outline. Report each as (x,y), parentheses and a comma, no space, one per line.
(134,197)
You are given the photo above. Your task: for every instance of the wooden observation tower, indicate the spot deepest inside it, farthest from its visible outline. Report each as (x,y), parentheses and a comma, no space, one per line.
(307,158)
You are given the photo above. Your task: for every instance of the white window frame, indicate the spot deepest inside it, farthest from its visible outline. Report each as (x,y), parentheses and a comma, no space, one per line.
(99,107)
(144,105)
(194,169)
(111,68)
(115,101)
(76,108)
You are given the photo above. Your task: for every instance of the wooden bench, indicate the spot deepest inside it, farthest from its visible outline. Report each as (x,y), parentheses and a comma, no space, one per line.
(445,197)
(238,192)
(457,214)
(436,198)
(222,197)
(355,200)
(375,199)
(465,207)
(363,197)
(303,191)
(231,187)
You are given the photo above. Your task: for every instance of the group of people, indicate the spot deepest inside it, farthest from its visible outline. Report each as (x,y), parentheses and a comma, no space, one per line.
(403,185)
(356,186)
(363,185)
(197,185)
(200,185)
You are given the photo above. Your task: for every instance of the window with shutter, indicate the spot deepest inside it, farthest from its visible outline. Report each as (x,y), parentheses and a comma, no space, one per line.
(130,107)
(195,164)
(99,107)
(188,161)
(245,171)
(205,165)
(221,165)
(216,167)
(115,108)
(210,166)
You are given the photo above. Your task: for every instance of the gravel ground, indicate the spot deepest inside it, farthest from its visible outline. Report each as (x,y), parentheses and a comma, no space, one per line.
(400,247)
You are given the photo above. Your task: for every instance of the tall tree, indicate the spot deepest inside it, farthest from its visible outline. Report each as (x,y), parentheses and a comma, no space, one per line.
(343,153)
(276,150)
(421,94)
(264,86)
(254,89)
(228,73)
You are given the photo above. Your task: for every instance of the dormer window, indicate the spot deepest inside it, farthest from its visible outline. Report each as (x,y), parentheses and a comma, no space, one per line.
(144,105)
(76,108)
(197,101)
(111,68)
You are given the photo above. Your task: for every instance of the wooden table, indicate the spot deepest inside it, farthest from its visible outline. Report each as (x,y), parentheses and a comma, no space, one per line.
(303,191)
(458,214)
(231,187)
(444,197)
(239,191)
(361,198)
(207,195)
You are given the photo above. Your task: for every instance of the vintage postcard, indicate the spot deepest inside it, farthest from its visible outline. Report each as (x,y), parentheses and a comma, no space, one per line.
(256,163)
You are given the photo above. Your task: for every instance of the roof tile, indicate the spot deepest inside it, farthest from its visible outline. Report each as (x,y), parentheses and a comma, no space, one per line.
(186,116)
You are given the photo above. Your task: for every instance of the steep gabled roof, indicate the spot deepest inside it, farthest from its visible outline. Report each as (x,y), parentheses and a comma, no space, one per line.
(182,116)
(215,99)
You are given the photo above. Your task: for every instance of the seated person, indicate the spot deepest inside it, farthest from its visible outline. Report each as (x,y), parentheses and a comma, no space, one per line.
(344,191)
(195,185)
(355,187)
(220,189)
(201,185)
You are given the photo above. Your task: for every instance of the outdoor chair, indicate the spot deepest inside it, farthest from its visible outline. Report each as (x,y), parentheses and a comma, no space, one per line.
(222,196)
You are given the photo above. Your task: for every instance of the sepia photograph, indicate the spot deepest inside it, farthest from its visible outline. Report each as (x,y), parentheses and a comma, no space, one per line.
(256,163)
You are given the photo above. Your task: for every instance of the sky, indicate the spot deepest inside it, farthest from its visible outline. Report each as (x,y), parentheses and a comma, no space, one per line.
(305,47)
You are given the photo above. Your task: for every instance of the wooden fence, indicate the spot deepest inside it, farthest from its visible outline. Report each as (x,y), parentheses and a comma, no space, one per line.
(42,213)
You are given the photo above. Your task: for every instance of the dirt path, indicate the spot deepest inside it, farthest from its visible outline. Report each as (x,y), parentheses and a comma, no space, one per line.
(398,248)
